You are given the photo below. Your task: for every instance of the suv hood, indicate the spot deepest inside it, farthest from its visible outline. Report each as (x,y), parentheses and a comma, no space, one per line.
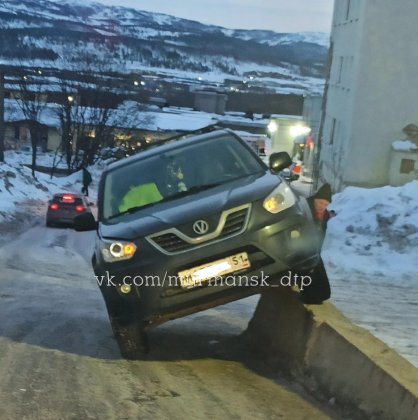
(166,215)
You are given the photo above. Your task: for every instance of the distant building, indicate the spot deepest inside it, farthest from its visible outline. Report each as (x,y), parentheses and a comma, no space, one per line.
(283,131)
(159,101)
(371,91)
(311,114)
(260,143)
(210,101)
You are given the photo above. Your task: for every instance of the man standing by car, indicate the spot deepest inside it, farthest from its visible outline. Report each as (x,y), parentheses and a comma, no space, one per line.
(319,205)
(86,181)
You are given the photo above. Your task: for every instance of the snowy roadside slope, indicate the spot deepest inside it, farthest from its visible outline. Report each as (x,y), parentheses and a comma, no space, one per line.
(17,185)
(371,252)
(375,233)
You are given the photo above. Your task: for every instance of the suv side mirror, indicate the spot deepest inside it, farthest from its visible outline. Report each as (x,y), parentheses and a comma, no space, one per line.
(279,161)
(84,222)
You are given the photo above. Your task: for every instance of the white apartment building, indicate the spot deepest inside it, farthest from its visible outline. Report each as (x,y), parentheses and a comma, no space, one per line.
(371,92)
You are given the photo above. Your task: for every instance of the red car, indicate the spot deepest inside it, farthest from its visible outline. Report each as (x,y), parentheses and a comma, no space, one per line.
(63,207)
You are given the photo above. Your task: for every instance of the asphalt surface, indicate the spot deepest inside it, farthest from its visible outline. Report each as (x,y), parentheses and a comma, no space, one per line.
(58,358)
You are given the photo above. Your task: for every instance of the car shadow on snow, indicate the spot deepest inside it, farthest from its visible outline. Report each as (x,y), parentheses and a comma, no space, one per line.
(86,331)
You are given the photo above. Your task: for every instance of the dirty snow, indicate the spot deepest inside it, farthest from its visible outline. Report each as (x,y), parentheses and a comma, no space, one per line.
(375,233)
(370,251)
(404,145)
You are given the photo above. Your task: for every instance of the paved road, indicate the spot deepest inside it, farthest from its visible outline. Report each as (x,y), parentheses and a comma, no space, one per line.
(58,359)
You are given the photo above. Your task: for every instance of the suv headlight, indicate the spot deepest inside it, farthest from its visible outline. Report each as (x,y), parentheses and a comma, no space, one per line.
(279,199)
(113,251)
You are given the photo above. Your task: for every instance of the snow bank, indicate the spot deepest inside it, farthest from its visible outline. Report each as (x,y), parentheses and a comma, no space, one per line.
(404,145)
(375,233)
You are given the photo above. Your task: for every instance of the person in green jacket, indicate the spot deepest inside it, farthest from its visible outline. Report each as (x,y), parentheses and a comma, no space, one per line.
(140,195)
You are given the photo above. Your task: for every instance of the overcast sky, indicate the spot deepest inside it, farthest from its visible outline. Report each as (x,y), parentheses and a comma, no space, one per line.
(277,15)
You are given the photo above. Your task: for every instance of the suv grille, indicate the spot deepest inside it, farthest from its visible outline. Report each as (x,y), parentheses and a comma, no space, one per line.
(234,223)
(173,241)
(170,242)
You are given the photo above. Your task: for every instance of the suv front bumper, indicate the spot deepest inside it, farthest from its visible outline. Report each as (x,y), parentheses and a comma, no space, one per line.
(288,243)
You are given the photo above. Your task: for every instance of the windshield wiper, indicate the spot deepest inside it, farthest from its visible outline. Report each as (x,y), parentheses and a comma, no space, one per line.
(191,190)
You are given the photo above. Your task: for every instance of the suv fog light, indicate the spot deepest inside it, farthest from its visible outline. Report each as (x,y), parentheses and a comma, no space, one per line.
(125,288)
(294,234)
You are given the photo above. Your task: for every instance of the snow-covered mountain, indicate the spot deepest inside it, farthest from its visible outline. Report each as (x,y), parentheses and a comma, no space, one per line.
(70,33)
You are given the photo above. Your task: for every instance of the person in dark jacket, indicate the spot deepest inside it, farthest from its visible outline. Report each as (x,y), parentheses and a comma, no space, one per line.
(319,203)
(86,181)
(319,206)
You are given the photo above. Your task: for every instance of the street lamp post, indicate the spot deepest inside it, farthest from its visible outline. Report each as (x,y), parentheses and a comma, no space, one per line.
(67,134)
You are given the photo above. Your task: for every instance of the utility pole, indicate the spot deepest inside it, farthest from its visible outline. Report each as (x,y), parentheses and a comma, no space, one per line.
(1,116)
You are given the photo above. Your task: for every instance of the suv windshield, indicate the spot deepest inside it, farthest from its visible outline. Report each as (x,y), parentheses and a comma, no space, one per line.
(182,171)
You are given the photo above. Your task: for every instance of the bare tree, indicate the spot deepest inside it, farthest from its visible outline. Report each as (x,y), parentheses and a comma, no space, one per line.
(32,100)
(91,112)
(1,116)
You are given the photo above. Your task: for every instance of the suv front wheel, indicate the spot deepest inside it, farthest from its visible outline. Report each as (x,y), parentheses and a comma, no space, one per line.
(131,339)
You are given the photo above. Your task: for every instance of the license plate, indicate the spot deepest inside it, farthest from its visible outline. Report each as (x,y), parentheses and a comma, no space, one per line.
(197,275)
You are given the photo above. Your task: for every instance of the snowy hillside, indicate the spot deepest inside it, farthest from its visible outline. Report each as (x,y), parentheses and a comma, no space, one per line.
(65,34)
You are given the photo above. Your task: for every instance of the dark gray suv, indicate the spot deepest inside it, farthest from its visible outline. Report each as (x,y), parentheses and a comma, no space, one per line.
(193,223)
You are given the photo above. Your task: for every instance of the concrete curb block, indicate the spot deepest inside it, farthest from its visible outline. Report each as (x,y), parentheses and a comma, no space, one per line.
(317,343)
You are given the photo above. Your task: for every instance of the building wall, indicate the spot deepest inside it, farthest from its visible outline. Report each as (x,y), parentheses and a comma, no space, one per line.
(346,38)
(17,134)
(403,167)
(312,107)
(212,102)
(372,89)
(54,139)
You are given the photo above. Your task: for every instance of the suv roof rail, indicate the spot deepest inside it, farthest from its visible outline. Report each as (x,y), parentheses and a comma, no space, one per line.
(203,130)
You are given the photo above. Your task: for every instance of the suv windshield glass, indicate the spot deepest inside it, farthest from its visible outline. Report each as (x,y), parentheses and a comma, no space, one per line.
(182,171)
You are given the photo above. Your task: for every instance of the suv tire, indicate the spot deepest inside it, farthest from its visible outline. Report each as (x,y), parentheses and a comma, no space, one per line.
(131,339)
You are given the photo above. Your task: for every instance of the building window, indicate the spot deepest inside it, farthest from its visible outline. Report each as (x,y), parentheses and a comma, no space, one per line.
(407,166)
(333,129)
(340,70)
(347,11)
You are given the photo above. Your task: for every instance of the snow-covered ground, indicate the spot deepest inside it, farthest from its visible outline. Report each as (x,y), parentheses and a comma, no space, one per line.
(18,186)
(375,234)
(370,249)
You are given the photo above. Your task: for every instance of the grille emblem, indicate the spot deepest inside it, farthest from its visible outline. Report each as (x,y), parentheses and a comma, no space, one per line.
(200,227)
